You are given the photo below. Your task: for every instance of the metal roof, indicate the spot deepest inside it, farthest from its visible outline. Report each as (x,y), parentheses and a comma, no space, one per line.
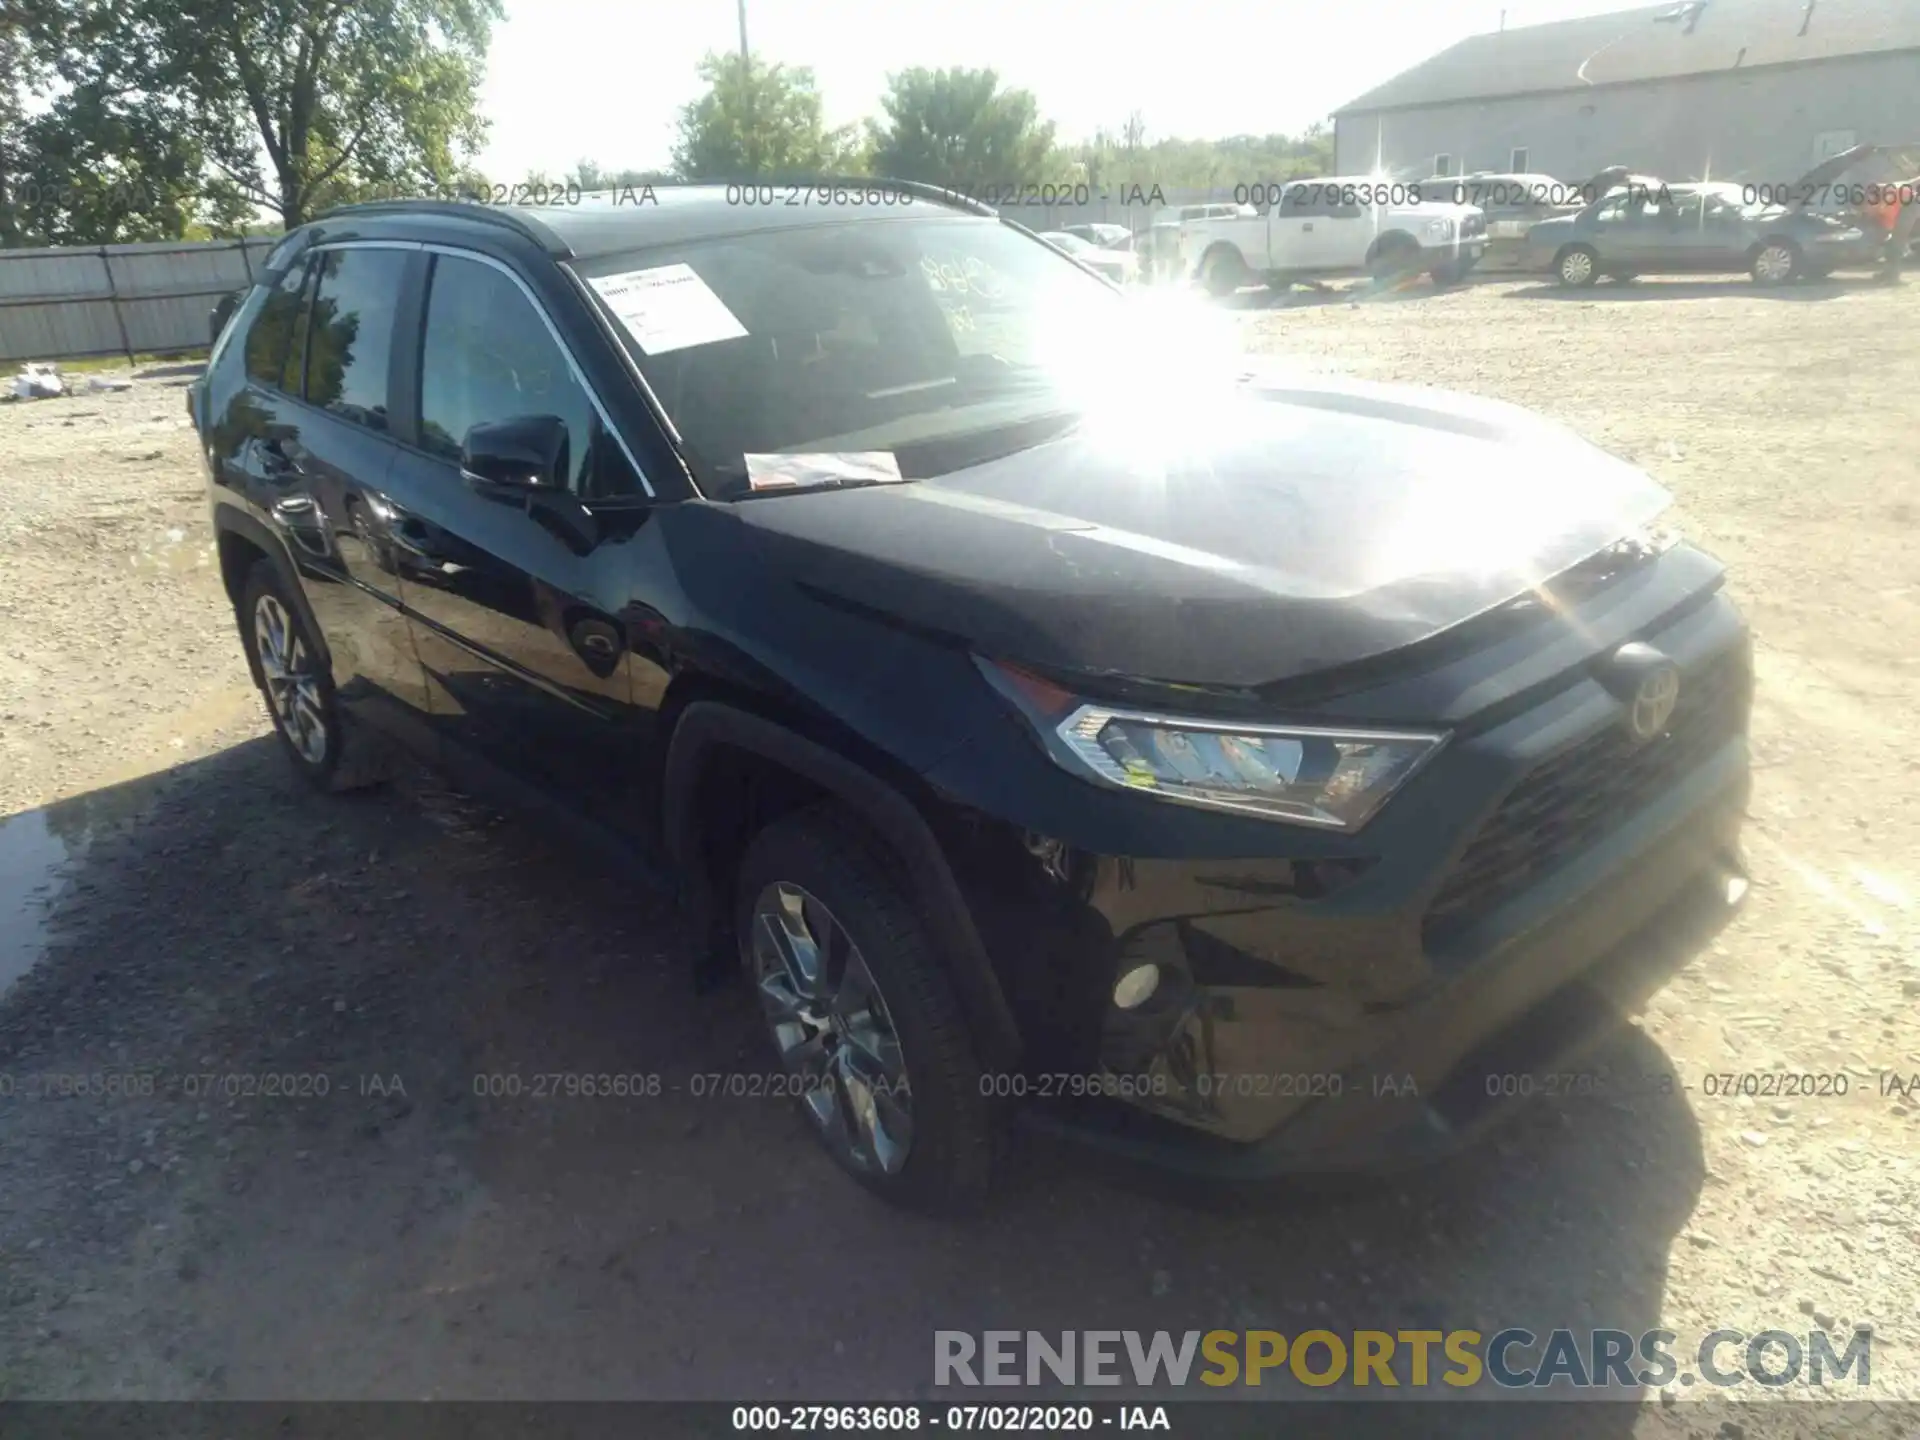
(1656,42)
(634,217)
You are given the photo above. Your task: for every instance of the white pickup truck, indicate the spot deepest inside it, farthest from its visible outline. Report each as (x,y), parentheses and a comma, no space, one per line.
(1332,226)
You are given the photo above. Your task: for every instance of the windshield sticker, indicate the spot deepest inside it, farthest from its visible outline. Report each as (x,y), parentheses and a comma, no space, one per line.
(827,467)
(668,308)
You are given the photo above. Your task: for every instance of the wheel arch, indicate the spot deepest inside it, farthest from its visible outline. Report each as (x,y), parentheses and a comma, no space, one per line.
(240,541)
(717,745)
(1390,240)
(1569,246)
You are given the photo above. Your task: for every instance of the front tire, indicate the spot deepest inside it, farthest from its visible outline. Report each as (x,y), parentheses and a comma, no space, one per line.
(1577,266)
(328,751)
(860,1010)
(1394,261)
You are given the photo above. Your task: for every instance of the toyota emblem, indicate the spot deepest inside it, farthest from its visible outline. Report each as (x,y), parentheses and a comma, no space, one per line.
(1653,702)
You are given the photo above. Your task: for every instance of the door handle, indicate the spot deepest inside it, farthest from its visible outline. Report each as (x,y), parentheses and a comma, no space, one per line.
(1307,226)
(274,461)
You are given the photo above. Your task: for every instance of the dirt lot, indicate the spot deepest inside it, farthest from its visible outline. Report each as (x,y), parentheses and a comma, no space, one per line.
(401,1237)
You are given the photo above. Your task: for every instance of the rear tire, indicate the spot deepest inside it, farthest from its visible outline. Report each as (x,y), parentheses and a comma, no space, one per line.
(327,749)
(874,995)
(1777,262)
(1222,271)
(1577,266)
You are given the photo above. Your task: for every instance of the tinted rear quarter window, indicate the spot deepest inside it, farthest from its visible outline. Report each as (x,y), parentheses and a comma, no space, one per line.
(269,340)
(351,336)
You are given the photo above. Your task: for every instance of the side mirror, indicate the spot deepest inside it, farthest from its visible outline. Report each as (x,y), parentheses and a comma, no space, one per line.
(528,452)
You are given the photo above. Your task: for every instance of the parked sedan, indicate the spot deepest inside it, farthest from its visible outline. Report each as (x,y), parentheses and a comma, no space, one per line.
(1118,266)
(1685,229)
(1105,236)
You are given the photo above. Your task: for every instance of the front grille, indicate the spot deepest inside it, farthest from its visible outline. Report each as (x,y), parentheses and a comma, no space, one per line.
(1473,225)
(1571,800)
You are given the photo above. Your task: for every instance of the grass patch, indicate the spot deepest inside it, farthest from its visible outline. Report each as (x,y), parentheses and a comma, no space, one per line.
(141,359)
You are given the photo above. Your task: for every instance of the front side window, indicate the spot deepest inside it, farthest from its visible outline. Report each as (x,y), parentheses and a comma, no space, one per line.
(487,356)
(915,336)
(351,333)
(1302,200)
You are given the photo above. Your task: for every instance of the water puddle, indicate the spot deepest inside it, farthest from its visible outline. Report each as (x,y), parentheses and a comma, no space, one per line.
(39,852)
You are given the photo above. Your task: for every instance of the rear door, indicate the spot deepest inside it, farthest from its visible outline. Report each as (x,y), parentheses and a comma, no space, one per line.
(300,463)
(1620,231)
(518,603)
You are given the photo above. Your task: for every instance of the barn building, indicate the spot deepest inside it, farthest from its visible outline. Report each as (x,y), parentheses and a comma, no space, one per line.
(1756,90)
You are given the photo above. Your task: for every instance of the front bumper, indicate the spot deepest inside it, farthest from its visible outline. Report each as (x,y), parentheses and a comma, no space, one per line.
(1325,1014)
(1516,1020)
(1463,253)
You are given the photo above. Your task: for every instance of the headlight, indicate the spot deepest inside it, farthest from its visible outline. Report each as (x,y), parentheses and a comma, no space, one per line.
(1440,229)
(1305,775)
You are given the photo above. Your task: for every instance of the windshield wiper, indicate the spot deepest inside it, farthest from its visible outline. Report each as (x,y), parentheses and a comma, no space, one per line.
(738,484)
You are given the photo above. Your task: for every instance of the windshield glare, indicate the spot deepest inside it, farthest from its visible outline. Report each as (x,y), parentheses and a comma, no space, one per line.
(901,335)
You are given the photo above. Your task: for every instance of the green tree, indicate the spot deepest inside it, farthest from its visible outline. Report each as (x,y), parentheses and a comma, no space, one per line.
(296,105)
(590,177)
(757,119)
(960,129)
(15,81)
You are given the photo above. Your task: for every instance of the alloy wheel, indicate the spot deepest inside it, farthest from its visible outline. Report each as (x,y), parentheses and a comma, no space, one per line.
(292,684)
(832,1027)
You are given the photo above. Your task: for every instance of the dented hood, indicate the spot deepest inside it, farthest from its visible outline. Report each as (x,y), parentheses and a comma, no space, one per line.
(1292,526)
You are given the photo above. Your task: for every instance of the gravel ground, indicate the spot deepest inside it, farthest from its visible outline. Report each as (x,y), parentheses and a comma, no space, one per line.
(399,1236)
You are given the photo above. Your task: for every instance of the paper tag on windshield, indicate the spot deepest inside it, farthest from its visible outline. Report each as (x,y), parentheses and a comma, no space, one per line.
(827,467)
(668,308)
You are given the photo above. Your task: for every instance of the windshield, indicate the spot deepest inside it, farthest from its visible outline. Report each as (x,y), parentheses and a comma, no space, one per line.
(945,340)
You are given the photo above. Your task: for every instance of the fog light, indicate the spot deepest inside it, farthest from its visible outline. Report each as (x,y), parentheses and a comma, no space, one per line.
(1136,987)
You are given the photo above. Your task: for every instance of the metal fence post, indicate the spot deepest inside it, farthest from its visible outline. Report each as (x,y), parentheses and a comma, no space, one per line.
(113,297)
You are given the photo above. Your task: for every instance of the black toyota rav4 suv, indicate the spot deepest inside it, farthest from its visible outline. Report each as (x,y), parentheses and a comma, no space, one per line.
(1237,771)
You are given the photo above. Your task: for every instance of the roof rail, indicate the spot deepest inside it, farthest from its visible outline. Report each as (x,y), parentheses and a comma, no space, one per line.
(510,218)
(919,188)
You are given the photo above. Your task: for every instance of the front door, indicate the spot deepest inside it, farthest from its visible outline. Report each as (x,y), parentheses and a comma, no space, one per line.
(518,602)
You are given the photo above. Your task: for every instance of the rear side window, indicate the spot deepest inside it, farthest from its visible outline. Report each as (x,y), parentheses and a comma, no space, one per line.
(487,356)
(270,340)
(351,335)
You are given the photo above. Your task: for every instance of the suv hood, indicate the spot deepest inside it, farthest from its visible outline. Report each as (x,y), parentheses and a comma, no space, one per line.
(1296,525)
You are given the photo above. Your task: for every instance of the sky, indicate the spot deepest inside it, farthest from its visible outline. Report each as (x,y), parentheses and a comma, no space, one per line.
(604,80)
